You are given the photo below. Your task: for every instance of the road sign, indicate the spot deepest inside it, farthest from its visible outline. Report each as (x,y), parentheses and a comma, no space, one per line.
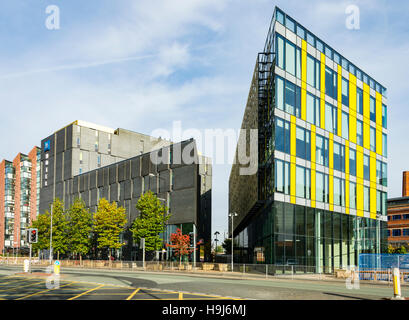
(26,265)
(57,267)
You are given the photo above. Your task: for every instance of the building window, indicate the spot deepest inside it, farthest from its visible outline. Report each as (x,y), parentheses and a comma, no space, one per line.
(78,142)
(96,146)
(290,97)
(352,195)
(310,70)
(396,232)
(331,83)
(298,63)
(282,136)
(381,173)
(405,232)
(290,58)
(359,133)
(396,217)
(313,109)
(359,101)
(290,24)
(367,171)
(280,51)
(352,162)
(339,157)
(322,150)
(372,139)
(384,145)
(384,117)
(345,125)
(303,183)
(99,161)
(280,93)
(313,72)
(331,116)
(80,157)
(366,198)
(406,216)
(339,192)
(303,144)
(372,109)
(389,233)
(282,177)
(322,187)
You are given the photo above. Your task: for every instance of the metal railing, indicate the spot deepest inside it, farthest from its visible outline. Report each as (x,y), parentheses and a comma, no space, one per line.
(220,269)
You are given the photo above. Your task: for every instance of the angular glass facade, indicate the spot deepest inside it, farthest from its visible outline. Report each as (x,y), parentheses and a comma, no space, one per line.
(322,183)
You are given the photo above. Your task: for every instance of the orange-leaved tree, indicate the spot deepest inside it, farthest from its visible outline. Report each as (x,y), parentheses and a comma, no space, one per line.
(181,243)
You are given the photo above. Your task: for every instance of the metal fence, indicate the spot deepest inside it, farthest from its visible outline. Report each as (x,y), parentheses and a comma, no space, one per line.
(224,269)
(368,261)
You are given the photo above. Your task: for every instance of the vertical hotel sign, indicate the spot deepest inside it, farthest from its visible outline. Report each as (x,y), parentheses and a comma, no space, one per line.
(47,146)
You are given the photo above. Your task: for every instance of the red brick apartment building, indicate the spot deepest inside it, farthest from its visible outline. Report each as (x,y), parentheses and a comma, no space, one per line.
(398,216)
(19,198)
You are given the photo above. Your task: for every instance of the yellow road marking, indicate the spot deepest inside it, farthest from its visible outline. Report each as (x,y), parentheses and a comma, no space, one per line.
(36,293)
(13,281)
(133,293)
(84,293)
(27,285)
(180,296)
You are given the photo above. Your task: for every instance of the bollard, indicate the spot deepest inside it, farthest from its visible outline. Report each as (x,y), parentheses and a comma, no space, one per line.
(57,267)
(396,284)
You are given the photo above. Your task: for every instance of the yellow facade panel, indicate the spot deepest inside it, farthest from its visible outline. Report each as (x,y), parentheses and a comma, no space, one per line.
(304,103)
(359,164)
(304,62)
(366,103)
(372,167)
(378,109)
(367,139)
(379,142)
(331,151)
(339,94)
(313,144)
(322,116)
(347,193)
(352,126)
(346,157)
(352,92)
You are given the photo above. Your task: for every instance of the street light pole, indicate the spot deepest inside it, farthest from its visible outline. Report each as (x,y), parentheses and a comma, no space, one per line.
(51,235)
(216,240)
(232,215)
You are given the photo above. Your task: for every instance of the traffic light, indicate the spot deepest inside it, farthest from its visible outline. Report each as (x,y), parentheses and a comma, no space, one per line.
(191,239)
(33,236)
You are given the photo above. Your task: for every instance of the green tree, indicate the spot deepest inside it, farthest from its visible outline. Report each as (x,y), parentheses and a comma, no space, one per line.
(59,232)
(79,228)
(227,245)
(60,225)
(109,222)
(42,223)
(150,222)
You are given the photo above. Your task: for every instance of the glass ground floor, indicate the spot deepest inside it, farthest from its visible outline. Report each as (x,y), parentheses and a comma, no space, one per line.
(320,241)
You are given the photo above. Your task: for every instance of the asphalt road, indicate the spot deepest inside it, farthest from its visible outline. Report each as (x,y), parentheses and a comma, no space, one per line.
(111,285)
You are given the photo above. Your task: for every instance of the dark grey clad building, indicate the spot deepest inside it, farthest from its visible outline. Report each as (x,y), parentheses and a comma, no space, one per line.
(91,162)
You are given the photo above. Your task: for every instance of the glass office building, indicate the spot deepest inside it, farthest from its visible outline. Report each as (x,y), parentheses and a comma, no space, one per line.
(319,196)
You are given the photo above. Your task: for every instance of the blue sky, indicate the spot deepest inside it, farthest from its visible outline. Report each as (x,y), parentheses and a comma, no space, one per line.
(140,65)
